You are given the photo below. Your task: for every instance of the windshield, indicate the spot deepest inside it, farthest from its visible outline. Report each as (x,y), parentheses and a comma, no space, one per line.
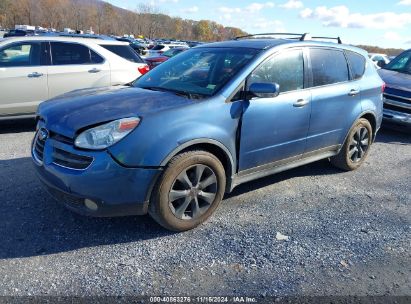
(172,52)
(199,72)
(401,63)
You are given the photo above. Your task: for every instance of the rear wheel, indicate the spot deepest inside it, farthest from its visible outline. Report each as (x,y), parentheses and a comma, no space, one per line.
(356,146)
(190,189)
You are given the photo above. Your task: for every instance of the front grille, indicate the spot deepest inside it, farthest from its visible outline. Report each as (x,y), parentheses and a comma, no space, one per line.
(396,108)
(71,160)
(38,147)
(404,100)
(397,92)
(61,138)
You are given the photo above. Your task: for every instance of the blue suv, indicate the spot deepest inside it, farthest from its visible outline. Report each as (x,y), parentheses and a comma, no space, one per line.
(211,118)
(397,94)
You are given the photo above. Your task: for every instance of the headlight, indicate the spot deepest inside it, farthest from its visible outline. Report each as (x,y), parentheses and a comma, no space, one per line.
(106,135)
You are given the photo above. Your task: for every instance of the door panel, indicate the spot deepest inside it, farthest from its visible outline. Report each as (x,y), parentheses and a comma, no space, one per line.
(276,128)
(63,79)
(73,67)
(23,81)
(334,98)
(332,108)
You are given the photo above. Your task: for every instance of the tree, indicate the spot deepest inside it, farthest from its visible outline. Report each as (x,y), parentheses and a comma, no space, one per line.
(203,31)
(148,19)
(4,11)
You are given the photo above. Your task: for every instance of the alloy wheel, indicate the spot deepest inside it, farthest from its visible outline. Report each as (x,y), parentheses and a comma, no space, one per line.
(358,145)
(193,192)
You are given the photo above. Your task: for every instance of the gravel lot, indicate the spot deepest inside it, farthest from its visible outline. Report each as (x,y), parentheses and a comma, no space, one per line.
(349,234)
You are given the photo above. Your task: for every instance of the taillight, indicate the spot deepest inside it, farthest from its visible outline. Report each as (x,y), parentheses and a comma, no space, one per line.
(383,87)
(144,69)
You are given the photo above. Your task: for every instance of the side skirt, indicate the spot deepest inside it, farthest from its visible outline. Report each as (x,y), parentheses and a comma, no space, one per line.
(282,165)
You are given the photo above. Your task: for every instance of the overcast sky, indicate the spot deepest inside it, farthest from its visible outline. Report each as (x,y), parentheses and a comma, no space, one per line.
(383,23)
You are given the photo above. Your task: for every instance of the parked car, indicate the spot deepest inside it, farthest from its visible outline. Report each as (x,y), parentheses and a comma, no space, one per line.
(175,141)
(379,60)
(397,93)
(156,60)
(19,33)
(34,69)
(159,49)
(140,48)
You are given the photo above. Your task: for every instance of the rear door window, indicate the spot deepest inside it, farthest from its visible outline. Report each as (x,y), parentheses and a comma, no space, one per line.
(95,58)
(328,67)
(357,64)
(70,53)
(124,51)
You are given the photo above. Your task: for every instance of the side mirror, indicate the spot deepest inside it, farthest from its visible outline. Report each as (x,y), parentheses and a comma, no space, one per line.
(264,90)
(381,63)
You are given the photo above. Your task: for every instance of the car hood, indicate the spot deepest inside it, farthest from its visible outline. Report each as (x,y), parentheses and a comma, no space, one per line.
(395,79)
(68,113)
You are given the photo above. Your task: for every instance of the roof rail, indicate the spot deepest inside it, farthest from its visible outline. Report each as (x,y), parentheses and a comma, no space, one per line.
(302,36)
(73,35)
(331,38)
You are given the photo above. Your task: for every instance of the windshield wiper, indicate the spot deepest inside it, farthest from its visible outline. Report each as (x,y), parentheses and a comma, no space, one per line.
(177,92)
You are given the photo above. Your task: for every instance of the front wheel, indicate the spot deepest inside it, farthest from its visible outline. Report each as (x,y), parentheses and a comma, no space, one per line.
(190,189)
(356,146)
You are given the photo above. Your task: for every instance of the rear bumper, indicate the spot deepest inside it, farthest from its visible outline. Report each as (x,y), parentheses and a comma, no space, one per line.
(113,190)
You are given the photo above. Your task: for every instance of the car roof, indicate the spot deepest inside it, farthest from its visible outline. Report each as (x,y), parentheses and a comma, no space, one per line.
(264,43)
(65,39)
(377,54)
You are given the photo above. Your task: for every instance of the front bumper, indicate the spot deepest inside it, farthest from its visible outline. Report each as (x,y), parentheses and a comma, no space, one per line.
(115,190)
(397,118)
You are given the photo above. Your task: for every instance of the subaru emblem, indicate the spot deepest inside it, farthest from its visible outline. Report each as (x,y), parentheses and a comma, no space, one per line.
(43,134)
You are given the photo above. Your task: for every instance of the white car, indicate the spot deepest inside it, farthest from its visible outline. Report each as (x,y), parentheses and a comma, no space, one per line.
(379,59)
(34,69)
(159,49)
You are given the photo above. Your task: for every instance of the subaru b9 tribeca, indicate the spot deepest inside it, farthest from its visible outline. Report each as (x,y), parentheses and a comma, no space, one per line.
(204,122)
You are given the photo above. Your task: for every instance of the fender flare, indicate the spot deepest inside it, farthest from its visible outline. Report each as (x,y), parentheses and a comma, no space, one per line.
(186,145)
(198,141)
(355,120)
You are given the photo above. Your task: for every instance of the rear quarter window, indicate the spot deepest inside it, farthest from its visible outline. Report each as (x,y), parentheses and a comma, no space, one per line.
(124,51)
(328,67)
(357,64)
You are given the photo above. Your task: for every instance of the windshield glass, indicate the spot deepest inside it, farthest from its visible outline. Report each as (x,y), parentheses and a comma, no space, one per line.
(172,52)
(201,71)
(401,63)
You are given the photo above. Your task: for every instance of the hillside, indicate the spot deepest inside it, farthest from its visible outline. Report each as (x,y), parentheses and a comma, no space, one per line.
(376,49)
(104,18)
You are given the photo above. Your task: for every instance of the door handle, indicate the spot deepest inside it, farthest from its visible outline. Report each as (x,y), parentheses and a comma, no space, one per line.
(35,75)
(94,70)
(300,103)
(353,92)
